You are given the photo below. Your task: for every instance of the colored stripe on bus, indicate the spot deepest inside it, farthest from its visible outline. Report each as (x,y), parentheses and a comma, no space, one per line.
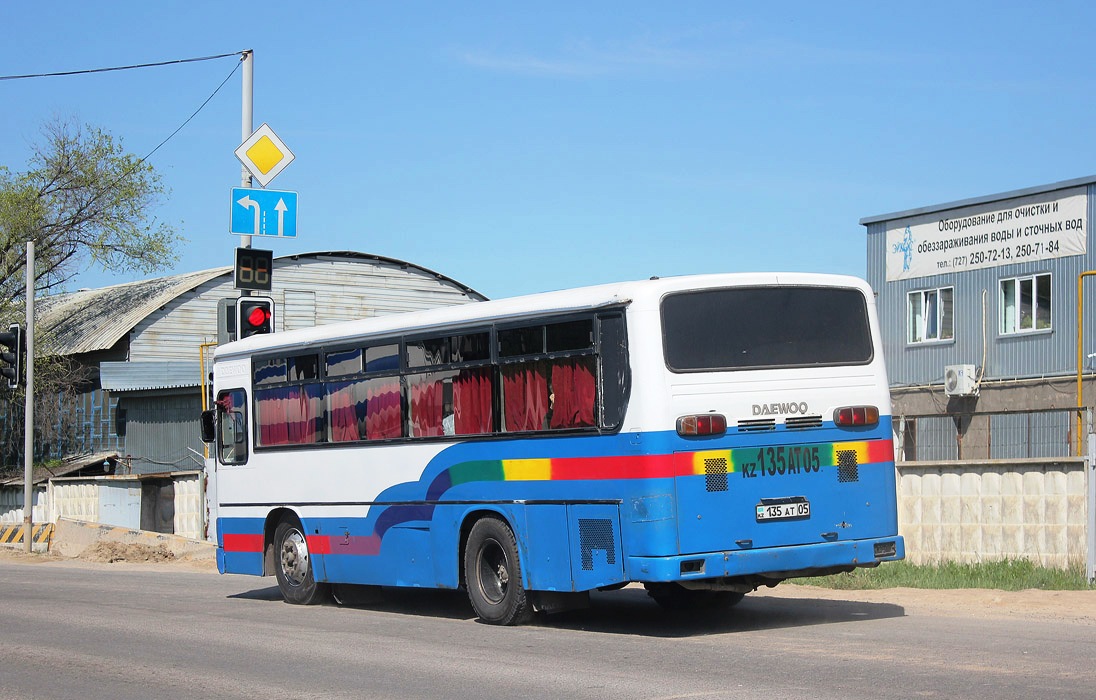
(829,455)
(239,542)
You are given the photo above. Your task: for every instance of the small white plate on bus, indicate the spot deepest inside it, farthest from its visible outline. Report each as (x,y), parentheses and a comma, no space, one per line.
(792,510)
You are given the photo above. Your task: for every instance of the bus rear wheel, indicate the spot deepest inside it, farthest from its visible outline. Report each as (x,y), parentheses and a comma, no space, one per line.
(293,566)
(492,574)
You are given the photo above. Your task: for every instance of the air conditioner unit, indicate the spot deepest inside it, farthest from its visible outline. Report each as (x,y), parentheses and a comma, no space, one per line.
(960,380)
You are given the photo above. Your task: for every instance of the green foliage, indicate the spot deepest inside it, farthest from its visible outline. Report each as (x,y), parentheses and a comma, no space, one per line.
(1006,575)
(83,200)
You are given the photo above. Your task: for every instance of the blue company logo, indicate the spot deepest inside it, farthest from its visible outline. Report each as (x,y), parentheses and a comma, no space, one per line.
(906,248)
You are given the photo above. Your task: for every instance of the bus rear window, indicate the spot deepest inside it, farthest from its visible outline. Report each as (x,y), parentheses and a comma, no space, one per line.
(760,327)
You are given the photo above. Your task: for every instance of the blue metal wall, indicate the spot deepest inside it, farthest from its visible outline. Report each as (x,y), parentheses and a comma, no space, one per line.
(1041,354)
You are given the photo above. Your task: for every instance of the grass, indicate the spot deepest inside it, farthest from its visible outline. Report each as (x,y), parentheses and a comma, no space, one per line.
(1007,575)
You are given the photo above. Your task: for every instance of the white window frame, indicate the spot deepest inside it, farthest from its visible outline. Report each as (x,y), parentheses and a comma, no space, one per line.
(930,316)
(1016,318)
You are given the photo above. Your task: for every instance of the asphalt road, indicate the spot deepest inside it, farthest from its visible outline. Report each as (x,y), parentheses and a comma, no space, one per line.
(83,631)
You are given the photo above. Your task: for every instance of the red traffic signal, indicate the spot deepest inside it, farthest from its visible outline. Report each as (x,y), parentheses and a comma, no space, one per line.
(254,316)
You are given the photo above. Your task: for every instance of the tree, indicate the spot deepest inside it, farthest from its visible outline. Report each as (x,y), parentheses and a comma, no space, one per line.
(83,201)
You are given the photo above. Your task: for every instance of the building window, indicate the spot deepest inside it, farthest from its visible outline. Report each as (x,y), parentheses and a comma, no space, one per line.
(1025,304)
(930,315)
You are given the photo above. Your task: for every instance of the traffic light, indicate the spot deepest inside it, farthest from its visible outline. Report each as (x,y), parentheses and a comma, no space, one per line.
(254,315)
(11,359)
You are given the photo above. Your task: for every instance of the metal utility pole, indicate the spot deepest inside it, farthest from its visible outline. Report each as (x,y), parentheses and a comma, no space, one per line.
(28,423)
(247,124)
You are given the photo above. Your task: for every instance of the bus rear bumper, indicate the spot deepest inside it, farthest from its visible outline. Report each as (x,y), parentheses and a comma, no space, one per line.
(775,563)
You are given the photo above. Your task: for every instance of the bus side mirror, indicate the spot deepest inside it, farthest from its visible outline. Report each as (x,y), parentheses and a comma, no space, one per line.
(209,426)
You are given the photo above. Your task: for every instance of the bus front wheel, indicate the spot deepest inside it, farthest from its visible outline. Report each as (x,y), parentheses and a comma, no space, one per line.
(492,574)
(293,566)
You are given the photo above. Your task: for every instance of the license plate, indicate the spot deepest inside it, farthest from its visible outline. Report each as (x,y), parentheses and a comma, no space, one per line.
(784,511)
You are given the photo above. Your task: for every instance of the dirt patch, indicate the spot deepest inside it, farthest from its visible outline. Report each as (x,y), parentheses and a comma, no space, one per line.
(114,554)
(105,552)
(1075,606)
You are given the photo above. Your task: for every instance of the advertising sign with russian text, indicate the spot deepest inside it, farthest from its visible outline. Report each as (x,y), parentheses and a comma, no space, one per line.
(1040,227)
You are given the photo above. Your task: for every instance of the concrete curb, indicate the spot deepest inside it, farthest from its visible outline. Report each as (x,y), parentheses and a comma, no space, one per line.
(72,537)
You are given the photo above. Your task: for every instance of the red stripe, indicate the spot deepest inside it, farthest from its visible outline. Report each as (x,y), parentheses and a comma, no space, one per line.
(636,467)
(319,544)
(881,451)
(243,543)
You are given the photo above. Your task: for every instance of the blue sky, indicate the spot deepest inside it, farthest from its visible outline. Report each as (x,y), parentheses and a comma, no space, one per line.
(522,147)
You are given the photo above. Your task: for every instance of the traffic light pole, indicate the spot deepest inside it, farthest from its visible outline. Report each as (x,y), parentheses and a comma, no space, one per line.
(247,127)
(28,423)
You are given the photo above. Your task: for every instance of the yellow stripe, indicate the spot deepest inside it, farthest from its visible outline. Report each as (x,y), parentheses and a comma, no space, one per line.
(860,448)
(700,457)
(527,469)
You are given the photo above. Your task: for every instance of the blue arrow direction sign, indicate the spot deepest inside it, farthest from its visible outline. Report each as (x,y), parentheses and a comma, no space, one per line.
(263,213)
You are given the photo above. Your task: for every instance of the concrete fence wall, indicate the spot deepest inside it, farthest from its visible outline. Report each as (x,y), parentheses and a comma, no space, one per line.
(978,511)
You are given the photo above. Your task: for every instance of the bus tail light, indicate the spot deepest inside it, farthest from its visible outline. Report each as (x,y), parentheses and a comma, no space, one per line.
(856,416)
(702,424)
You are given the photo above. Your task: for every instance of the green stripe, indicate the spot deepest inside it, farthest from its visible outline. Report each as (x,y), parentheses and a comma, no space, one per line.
(481,470)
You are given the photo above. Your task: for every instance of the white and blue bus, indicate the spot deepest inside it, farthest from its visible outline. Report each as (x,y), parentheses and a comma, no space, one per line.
(702,435)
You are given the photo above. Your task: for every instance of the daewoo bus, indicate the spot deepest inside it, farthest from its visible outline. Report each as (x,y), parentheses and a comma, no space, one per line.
(703,436)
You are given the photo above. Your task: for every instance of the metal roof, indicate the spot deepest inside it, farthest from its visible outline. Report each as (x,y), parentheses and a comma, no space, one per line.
(145,376)
(101,463)
(932,209)
(96,319)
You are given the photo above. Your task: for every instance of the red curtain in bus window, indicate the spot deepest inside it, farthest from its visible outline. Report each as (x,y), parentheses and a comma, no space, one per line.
(426,406)
(343,413)
(302,414)
(270,415)
(574,389)
(382,415)
(472,402)
(525,396)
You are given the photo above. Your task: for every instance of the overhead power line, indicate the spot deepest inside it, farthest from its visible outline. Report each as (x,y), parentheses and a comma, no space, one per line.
(107,70)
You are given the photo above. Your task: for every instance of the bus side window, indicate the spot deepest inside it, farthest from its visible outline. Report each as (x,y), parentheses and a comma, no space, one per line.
(232,427)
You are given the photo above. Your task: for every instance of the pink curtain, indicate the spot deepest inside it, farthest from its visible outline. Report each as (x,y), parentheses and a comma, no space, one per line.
(343,415)
(382,416)
(269,414)
(289,415)
(426,407)
(472,410)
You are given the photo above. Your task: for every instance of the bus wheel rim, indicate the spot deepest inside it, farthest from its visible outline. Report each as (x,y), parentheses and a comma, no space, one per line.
(294,558)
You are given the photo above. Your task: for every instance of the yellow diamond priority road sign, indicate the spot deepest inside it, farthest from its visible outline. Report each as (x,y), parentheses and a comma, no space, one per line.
(264,155)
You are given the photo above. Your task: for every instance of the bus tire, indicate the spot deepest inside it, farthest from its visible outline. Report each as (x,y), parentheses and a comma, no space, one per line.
(492,574)
(293,566)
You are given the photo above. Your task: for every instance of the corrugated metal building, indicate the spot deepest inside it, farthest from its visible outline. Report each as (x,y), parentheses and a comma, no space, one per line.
(141,342)
(978,300)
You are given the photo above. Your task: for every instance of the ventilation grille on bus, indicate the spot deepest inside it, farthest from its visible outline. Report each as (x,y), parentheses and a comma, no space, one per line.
(847,467)
(596,533)
(715,474)
(756,426)
(800,422)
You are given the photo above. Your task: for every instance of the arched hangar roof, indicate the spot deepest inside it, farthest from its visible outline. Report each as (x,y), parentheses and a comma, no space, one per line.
(90,320)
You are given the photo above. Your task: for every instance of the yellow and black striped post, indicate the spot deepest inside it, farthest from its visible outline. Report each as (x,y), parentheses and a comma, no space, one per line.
(41,533)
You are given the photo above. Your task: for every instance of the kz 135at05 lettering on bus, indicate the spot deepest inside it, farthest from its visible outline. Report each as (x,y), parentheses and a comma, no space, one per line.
(703,436)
